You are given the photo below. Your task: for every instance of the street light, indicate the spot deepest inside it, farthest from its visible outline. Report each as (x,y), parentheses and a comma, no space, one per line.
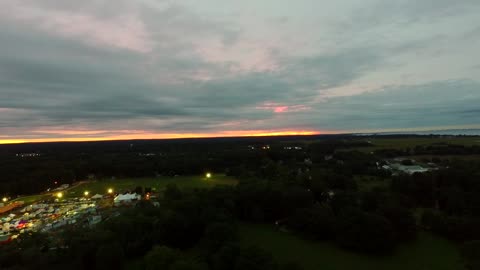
(110,190)
(86,193)
(59,195)
(208,175)
(4,199)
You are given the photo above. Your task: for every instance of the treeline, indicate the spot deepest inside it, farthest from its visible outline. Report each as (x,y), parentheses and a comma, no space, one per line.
(436,149)
(28,175)
(69,162)
(65,163)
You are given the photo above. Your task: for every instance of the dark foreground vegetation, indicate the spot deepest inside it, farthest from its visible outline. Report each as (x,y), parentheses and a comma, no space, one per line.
(321,189)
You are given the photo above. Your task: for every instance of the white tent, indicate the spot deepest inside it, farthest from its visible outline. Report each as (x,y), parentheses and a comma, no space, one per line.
(97,196)
(125,198)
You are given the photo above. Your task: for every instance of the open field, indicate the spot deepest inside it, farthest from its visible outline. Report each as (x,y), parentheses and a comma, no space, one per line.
(444,157)
(31,198)
(402,143)
(427,253)
(157,184)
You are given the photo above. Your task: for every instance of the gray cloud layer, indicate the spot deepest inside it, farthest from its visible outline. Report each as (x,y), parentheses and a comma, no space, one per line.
(110,67)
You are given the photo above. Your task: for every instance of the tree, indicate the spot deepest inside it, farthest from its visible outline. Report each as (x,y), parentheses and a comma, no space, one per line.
(291,266)
(471,252)
(138,190)
(401,219)
(110,256)
(172,192)
(225,257)
(188,265)
(253,258)
(365,232)
(434,221)
(219,234)
(160,257)
(317,222)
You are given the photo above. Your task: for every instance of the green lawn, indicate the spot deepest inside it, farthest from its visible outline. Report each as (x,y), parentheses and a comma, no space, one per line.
(31,198)
(427,253)
(120,185)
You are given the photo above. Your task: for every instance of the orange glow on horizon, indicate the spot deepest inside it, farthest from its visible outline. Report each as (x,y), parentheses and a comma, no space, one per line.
(153,136)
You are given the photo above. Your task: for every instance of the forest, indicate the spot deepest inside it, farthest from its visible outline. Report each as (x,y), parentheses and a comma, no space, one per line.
(320,189)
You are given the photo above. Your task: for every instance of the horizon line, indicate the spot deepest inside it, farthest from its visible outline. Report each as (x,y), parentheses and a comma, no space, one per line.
(180,136)
(165,137)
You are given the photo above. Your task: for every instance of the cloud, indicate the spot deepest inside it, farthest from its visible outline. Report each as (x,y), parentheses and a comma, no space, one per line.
(124,31)
(405,106)
(111,68)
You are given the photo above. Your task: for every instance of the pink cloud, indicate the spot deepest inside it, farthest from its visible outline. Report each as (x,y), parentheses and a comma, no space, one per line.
(280,108)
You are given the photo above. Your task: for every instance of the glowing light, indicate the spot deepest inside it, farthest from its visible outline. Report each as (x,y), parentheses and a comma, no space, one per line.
(5,199)
(86,193)
(110,190)
(140,135)
(208,175)
(59,195)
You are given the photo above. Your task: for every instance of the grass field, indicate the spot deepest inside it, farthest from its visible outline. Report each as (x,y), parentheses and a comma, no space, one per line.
(31,199)
(427,253)
(157,184)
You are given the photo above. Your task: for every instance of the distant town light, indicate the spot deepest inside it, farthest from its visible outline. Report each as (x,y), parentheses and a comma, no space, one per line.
(86,193)
(4,199)
(208,175)
(59,195)
(110,190)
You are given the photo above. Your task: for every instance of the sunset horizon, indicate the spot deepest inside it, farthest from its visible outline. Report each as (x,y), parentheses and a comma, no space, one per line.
(225,134)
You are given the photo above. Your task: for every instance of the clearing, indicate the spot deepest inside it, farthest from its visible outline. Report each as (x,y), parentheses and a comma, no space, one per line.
(157,184)
(428,252)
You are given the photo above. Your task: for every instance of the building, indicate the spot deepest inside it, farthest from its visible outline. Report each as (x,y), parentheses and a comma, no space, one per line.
(409,169)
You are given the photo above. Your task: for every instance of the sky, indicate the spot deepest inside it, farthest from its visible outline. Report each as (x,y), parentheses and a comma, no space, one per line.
(141,69)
